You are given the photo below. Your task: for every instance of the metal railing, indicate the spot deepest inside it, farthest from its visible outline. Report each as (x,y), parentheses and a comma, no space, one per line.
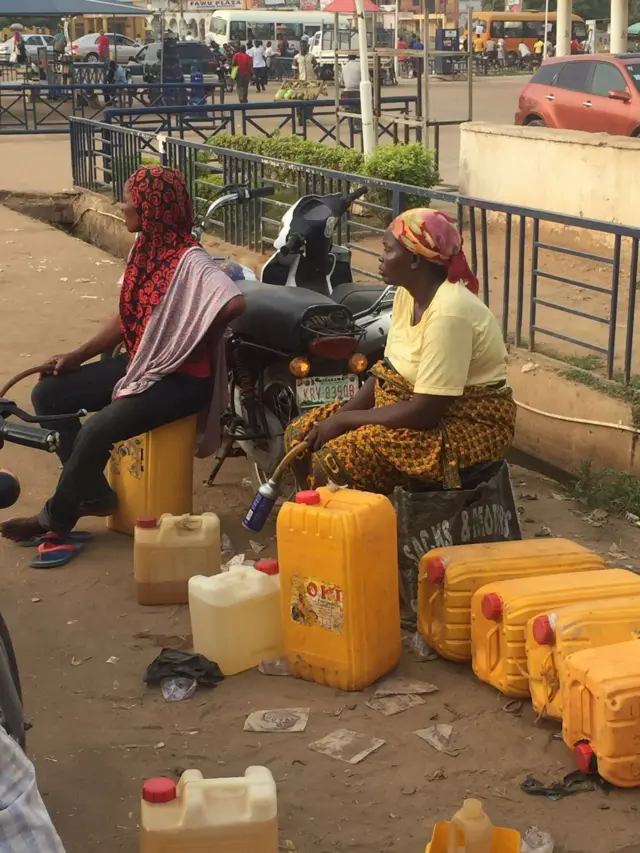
(46,108)
(559,284)
(309,119)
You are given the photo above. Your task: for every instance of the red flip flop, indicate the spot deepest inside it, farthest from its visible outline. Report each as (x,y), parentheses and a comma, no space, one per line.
(51,556)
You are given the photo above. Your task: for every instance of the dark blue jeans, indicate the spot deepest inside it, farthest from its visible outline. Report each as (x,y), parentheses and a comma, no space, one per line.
(85,448)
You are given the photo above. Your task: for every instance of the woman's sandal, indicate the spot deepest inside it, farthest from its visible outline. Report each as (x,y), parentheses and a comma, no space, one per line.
(77,537)
(52,556)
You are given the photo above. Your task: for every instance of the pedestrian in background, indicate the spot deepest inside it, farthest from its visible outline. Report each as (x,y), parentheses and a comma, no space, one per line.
(259,61)
(59,43)
(103,47)
(242,61)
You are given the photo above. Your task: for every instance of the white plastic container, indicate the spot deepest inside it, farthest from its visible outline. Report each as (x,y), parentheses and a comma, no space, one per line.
(235,616)
(238,815)
(170,550)
(470,830)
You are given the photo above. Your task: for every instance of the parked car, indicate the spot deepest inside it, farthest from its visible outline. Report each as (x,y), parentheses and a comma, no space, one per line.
(597,93)
(32,43)
(85,49)
(145,66)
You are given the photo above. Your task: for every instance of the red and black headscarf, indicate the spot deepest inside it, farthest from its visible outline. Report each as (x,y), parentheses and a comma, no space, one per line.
(162,202)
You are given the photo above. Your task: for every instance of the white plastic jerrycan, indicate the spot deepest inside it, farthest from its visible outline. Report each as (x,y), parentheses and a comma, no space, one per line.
(235,616)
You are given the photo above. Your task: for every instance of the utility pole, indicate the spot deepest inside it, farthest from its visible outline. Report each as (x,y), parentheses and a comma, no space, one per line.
(366,91)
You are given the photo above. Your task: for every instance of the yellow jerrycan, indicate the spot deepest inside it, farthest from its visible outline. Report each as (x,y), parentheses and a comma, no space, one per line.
(551,637)
(226,815)
(152,474)
(500,612)
(449,576)
(338,558)
(601,711)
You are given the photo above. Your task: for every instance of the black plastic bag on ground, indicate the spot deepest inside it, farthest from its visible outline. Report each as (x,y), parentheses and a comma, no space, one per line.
(426,520)
(172,663)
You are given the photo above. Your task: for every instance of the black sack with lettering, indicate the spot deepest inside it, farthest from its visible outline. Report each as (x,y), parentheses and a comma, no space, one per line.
(426,520)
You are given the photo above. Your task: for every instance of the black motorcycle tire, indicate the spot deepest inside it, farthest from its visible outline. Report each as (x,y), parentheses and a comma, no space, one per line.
(11,711)
(276,375)
(229,83)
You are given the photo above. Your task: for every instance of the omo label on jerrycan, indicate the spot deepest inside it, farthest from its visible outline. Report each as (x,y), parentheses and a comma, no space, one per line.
(317,604)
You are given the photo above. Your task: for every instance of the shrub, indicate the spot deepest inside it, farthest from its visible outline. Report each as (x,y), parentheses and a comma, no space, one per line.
(404,164)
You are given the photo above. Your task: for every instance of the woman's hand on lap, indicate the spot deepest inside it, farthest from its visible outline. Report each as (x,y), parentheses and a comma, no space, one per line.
(63,363)
(333,427)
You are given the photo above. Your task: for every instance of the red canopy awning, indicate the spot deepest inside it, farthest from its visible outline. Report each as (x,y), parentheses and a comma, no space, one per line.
(348,7)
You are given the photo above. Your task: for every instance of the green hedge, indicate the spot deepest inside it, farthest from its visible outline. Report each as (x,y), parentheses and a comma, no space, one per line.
(405,164)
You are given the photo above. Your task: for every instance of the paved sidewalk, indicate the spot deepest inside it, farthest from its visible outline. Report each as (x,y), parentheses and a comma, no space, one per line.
(35,163)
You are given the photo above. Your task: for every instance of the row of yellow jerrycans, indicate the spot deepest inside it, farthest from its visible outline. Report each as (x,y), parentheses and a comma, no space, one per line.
(546,618)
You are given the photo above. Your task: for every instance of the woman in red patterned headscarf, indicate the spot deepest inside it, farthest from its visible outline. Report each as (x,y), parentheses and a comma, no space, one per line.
(174,306)
(438,403)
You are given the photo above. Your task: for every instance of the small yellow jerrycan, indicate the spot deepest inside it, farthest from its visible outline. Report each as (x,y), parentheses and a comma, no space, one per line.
(152,474)
(169,550)
(470,831)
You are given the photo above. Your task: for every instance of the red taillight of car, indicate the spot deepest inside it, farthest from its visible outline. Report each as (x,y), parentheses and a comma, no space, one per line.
(74,47)
(336,348)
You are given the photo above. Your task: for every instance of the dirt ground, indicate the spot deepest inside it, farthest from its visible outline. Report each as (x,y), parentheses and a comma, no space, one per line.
(98,732)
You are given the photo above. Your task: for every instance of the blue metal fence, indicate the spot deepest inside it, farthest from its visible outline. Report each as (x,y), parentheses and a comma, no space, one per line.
(37,107)
(560,284)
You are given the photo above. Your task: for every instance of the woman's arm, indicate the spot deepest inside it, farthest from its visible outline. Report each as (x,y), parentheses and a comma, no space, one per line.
(423,411)
(108,338)
(364,399)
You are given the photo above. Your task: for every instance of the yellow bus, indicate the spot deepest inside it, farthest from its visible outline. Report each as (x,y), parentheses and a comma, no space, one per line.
(515,27)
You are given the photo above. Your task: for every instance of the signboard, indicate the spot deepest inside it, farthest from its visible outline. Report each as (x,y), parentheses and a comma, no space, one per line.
(208,5)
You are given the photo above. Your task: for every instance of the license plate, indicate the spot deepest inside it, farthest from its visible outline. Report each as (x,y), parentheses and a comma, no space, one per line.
(319,390)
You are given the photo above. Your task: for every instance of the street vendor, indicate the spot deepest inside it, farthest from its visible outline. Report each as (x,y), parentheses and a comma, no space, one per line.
(439,403)
(175,304)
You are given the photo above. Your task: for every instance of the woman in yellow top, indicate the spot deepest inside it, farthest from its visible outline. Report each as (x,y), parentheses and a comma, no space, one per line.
(439,402)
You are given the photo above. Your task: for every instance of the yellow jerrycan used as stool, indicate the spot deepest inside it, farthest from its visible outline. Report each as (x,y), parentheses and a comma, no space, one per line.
(338,558)
(551,637)
(601,711)
(152,474)
(449,576)
(500,612)
(226,815)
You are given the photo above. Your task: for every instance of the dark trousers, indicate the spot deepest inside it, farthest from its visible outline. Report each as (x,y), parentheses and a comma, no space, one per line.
(242,85)
(261,78)
(85,448)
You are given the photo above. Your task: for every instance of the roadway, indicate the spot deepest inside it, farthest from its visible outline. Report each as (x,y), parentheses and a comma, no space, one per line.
(42,163)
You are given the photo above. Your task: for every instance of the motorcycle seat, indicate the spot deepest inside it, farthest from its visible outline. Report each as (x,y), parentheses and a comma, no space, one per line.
(357,297)
(274,315)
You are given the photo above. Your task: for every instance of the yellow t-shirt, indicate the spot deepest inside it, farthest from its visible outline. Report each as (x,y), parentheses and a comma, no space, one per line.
(457,342)
(478,45)
(538,47)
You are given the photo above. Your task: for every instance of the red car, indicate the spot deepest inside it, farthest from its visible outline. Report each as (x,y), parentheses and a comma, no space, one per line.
(591,92)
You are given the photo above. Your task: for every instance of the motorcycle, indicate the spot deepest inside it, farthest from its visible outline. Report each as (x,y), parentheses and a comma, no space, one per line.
(294,348)
(306,257)
(224,74)
(12,718)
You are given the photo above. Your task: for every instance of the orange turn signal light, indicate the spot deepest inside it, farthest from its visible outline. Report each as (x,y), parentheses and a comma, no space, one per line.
(300,367)
(358,363)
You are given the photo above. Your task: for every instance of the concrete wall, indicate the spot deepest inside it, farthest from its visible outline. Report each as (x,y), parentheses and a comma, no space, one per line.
(565,171)
(537,382)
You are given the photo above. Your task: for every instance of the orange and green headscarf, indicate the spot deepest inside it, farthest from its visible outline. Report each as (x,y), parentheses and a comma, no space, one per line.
(433,235)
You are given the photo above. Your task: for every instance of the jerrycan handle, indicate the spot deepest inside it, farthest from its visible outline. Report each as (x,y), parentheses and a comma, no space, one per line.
(452,846)
(189,522)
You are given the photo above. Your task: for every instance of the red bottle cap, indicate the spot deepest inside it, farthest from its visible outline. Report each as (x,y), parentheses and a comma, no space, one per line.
(309,497)
(543,632)
(159,790)
(585,757)
(436,570)
(268,566)
(492,606)
(147,521)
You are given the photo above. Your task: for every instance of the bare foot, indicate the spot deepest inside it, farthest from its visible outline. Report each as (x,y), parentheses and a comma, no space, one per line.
(21,528)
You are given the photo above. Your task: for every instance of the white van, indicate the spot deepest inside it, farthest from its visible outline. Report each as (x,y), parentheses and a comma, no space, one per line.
(233,25)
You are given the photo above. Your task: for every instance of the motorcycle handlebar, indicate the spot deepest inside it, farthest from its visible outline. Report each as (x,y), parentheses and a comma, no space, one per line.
(29,436)
(261,192)
(293,245)
(354,196)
